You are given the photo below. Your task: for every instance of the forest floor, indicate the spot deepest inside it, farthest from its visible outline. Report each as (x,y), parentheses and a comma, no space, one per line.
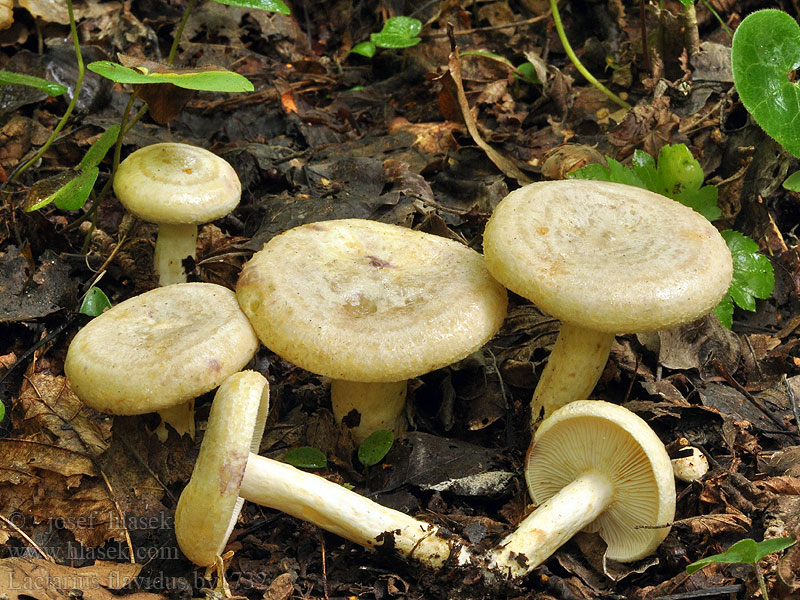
(328,134)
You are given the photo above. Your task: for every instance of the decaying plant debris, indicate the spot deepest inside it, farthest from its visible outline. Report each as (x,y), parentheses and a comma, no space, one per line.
(87,501)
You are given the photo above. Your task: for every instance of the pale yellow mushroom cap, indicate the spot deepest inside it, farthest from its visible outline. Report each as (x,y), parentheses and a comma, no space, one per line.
(178,184)
(607,256)
(161,348)
(365,301)
(592,435)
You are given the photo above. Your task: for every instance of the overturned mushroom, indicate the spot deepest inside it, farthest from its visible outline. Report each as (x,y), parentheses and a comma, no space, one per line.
(369,305)
(178,187)
(596,467)
(228,471)
(157,351)
(604,258)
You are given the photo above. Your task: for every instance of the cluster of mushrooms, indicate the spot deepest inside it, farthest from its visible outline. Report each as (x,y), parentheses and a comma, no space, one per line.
(371,305)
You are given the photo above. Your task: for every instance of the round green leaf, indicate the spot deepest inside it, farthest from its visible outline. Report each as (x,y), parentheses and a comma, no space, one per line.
(375,447)
(793,182)
(306,457)
(398,32)
(764,55)
(94,302)
(367,49)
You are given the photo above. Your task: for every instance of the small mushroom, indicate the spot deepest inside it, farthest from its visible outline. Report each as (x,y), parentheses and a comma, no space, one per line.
(228,471)
(597,467)
(179,187)
(369,305)
(159,350)
(690,465)
(604,258)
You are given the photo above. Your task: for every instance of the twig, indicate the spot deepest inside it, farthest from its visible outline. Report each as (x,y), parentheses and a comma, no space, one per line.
(324,566)
(793,401)
(513,25)
(28,539)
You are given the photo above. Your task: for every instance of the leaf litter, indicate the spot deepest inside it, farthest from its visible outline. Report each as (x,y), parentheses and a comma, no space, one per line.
(397,138)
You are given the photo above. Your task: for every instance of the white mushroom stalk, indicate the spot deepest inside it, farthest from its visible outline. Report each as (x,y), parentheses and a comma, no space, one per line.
(604,258)
(178,187)
(227,472)
(369,305)
(598,467)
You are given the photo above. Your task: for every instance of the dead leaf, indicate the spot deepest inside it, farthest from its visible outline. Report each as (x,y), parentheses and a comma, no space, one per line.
(281,588)
(24,295)
(504,164)
(23,579)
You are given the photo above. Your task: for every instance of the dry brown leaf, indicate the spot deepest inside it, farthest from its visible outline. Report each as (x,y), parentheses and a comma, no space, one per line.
(22,578)
(504,164)
(780,485)
(281,588)
(717,524)
(21,458)
(49,410)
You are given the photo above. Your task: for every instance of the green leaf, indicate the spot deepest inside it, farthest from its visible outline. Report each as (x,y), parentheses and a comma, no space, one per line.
(375,447)
(94,302)
(793,182)
(73,194)
(271,5)
(2,410)
(208,81)
(49,87)
(744,551)
(367,49)
(687,3)
(678,176)
(752,272)
(97,152)
(724,310)
(398,32)
(306,457)
(527,72)
(765,52)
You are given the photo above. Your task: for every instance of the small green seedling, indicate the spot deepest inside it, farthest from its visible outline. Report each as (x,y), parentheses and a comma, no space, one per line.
(51,88)
(397,32)
(679,176)
(94,302)
(73,194)
(306,457)
(749,552)
(764,55)
(524,72)
(377,445)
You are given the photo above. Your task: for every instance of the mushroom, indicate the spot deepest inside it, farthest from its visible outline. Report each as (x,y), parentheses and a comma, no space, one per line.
(690,464)
(597,467)
(179,187)
(159,350)
(604,258)
(228,471)
(369,305)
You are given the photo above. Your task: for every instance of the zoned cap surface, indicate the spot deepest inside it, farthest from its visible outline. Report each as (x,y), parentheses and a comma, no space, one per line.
(607,256)
(365,301)
(209,504)
(159,349)
(595,435)
(177,184)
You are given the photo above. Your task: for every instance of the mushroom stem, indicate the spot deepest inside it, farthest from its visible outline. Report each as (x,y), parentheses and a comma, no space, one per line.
(378,404)
(552,524)
(173,244)
(347,514)
(573,368)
